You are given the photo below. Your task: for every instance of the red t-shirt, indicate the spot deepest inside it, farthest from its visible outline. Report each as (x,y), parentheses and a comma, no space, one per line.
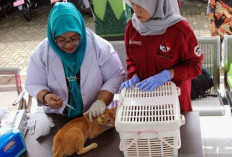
(176,49)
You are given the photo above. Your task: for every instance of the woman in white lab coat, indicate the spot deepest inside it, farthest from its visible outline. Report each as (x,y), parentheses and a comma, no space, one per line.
(73,66)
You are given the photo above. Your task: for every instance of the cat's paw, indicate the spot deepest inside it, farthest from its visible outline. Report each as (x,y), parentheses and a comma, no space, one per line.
(86,149)
(94,145)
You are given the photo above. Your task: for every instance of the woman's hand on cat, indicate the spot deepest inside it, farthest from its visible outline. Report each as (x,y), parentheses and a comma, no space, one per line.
(96,109)
(54,101)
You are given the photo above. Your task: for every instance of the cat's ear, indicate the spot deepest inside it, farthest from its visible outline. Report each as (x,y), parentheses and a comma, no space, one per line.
(103,116)
(114,110)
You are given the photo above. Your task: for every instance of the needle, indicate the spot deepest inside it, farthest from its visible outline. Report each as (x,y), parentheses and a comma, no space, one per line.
(69,106)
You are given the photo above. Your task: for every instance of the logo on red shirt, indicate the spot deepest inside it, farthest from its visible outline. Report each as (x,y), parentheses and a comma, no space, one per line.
(165,47)
(197,50)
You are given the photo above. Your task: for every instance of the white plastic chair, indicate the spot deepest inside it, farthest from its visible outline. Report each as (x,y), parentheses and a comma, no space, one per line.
(12,94)
(210,106)
(119,46)
(228,62)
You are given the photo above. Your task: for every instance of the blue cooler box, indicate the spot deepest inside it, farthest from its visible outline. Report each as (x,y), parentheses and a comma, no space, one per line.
(11,143)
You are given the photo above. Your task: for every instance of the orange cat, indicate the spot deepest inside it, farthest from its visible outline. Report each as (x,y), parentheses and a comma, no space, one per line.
(72,136)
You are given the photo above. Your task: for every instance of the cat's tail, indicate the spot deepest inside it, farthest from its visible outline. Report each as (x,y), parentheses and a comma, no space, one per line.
(57,155)
(56,152)
(56,147)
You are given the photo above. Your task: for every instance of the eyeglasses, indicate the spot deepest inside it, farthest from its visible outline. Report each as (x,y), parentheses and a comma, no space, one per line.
(74,40)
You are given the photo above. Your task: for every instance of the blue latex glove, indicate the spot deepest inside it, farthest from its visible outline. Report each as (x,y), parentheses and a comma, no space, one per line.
(155,81)
(130,83)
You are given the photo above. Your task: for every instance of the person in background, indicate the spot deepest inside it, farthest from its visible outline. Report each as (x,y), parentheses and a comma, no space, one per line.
(73,66)
(220,13)
(161,47)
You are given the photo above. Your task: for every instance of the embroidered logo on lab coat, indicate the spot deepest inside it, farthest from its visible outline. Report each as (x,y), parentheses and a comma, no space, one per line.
(135,42)
(165,47)
(197,50)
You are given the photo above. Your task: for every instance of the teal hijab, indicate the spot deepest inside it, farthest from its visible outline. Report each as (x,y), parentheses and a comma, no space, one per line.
(64,17)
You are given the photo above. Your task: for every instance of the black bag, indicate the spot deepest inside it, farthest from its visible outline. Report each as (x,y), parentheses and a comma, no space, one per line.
(201,84)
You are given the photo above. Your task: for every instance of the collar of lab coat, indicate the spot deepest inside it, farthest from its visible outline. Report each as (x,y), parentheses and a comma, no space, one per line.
(58,70)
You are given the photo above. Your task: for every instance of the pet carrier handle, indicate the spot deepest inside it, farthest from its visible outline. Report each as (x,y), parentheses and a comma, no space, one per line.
(170,145)
(161,139)
(18,3)
(130,144)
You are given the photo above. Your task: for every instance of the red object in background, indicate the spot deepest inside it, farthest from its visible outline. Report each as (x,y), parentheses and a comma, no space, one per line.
(179,3)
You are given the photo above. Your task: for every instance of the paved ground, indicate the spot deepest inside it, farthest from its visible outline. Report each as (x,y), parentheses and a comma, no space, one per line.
(18,38)
(195,12)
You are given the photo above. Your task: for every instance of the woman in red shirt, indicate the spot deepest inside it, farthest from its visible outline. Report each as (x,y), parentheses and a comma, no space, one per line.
(161,47)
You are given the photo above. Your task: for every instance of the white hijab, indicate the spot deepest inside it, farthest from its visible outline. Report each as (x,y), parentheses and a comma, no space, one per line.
(165,13)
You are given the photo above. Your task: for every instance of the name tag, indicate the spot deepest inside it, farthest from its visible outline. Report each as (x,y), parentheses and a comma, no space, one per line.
(134,42)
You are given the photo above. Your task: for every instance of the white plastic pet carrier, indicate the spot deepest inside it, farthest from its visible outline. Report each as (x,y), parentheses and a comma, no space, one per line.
(149,122)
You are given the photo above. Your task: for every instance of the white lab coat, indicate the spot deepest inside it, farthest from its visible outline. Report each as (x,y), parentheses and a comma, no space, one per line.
(101,70)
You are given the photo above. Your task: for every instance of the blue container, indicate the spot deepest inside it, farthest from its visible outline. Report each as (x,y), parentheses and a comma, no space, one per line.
(11,143)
